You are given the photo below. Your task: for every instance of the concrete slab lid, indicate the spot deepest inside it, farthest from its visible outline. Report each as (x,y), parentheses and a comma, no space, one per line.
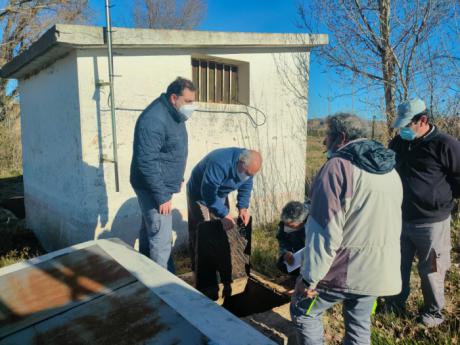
(176,312)
(62,38)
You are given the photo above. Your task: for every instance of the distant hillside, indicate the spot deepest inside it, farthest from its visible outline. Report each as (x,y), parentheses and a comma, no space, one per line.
(448,124)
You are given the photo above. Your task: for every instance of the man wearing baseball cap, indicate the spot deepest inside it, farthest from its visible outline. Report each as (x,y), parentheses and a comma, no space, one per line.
(428,162)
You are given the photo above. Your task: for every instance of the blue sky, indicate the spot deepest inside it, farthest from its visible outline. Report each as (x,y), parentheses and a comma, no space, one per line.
(256,16)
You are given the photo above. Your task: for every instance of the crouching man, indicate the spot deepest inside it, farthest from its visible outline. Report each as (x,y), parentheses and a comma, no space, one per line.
(291,234)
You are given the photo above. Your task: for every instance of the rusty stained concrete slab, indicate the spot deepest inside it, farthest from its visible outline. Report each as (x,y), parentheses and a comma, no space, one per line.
(102,292)
(131,315)
(38,292)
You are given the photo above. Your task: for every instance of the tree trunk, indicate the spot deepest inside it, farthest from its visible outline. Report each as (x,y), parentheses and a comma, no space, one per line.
(388,65)
(5,100)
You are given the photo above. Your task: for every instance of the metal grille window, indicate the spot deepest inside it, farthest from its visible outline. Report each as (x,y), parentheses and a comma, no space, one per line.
(216,82)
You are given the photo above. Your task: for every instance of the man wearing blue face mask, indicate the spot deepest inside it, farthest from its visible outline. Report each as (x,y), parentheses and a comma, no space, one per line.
(157,168)
(212,179)
(428,163)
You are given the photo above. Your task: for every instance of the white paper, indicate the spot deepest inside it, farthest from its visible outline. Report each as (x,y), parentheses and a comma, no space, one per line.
(297,261)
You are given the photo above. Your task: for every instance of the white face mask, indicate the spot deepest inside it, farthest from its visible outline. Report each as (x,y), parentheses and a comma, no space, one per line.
(187,110)
(288,229)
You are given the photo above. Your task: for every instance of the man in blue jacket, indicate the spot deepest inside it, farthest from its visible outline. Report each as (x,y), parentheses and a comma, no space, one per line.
(213,178)
(158,164)
(428,162)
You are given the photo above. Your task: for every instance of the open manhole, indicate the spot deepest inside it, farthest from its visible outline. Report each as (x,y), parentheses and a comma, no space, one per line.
(255,298)
(224,256)
(260,303)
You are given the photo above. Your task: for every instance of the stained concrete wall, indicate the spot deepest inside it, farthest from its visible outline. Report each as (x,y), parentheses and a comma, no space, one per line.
(142,75)
(51,150)
(70,187)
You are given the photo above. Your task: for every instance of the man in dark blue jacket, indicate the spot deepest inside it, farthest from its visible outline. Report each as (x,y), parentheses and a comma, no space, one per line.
(213,178)
(428,162)
(158,164)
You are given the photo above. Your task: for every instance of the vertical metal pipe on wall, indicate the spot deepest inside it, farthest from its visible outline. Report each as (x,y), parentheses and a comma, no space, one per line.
(112,95)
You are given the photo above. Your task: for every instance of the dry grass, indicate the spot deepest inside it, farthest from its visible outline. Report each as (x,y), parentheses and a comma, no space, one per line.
(265,251)
(10,148)
(20,244)
(387,329)
(316,157)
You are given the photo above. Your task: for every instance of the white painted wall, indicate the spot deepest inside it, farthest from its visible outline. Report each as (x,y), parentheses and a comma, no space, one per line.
(51,150)
(142,75)
(81,190)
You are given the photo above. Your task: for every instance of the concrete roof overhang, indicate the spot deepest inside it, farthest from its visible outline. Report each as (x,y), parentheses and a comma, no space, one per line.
(60,39)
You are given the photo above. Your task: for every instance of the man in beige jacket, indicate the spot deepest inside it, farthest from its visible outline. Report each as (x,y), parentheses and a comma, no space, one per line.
(352,252)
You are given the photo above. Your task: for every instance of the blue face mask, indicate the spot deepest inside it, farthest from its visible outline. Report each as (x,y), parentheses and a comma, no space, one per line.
(407,133)
(242,176)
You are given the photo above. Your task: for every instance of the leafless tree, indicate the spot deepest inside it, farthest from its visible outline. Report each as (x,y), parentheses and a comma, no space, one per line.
(22,22)
(397,47)
(169,14)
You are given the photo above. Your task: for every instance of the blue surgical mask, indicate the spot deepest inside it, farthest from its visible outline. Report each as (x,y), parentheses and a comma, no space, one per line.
(407,133)
(242,176)
(187,110)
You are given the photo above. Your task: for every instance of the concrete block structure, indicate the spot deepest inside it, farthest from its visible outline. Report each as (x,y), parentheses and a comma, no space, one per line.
(249,86)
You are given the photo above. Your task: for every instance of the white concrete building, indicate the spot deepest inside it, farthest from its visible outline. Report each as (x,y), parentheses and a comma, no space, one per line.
(249,97)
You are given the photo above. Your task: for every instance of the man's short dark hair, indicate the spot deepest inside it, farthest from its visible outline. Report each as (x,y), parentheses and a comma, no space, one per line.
(178,86)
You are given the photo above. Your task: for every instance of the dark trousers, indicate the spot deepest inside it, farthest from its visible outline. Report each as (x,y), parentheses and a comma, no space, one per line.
(197,213)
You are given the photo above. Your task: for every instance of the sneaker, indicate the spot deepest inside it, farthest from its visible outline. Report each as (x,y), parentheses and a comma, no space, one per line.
(431,319)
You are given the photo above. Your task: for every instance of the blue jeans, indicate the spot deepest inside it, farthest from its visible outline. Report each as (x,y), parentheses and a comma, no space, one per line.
(357,310)
(155,235)
(431,244)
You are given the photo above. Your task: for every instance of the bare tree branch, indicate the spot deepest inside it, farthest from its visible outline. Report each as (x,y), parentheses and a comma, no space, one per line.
(168,14)
(22,22)
(404,47)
